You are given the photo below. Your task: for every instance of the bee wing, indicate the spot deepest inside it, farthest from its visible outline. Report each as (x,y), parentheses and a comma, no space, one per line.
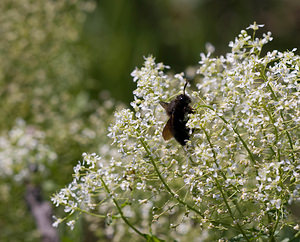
(167,131)
(164,105)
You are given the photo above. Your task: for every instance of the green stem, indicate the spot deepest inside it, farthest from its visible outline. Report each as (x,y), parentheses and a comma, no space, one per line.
(275,226)
(120,211)
(216,163)
(281,114)
(289,138)
(174,195)
(275,130)
(165,184)
(237,133)
(220,187)
(89,213)
(291,144)
(243,142)
(229,209)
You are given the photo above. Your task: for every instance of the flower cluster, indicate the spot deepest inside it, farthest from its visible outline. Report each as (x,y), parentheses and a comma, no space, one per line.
(247,137)
(23,151)
(236,177)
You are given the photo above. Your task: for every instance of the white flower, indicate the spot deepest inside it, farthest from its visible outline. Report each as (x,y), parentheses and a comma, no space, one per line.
(71,224)
(255,26)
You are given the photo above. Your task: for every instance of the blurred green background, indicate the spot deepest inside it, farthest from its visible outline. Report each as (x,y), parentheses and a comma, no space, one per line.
(56,58)
(119,33)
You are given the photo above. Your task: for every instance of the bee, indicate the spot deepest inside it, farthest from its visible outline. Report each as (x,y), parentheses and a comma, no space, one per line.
(177,110)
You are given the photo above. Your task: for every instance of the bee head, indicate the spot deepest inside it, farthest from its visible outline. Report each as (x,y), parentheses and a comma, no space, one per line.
(183,99)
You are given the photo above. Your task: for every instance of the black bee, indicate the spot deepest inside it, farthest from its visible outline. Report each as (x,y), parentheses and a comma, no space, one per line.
(177,110)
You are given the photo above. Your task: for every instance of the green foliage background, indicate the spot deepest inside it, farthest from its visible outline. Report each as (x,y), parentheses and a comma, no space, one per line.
(57,56)
(175,31)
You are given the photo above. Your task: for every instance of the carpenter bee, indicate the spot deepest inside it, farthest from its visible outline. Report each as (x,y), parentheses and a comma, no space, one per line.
(177,110)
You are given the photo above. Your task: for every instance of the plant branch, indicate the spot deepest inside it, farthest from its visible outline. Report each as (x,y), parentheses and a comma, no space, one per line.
(174,195)
(120,210)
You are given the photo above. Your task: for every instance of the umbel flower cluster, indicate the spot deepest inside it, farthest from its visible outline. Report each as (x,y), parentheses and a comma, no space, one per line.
(236,178)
